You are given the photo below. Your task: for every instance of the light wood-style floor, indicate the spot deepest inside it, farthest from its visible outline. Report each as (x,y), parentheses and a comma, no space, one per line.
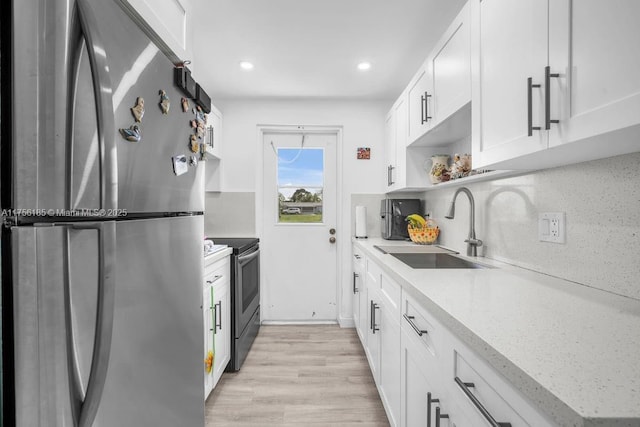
(296,376)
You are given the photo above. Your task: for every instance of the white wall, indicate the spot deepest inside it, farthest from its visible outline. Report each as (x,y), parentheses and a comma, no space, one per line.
(363,126)
(602,204)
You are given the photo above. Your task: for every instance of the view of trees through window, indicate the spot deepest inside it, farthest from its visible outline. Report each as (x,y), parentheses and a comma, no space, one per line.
(300,182)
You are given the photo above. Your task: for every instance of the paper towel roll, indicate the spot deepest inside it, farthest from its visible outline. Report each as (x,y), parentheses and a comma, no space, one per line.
(361,222)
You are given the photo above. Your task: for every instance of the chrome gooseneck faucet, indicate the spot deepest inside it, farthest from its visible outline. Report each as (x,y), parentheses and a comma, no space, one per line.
(472,242)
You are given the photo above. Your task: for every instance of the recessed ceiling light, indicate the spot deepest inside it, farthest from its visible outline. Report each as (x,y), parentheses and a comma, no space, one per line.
(246,65)
(363,66)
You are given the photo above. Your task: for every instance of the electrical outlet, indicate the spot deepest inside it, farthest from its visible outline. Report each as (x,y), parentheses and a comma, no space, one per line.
(551,227)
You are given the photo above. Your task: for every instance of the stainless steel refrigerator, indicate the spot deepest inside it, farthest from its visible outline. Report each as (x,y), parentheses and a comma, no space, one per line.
(101,241)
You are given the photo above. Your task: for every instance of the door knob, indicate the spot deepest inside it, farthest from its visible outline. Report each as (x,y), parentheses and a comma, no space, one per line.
(332,239)
(332,231)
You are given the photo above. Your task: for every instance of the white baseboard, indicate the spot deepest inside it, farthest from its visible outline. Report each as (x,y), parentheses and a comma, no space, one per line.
(346,322)
(298,322)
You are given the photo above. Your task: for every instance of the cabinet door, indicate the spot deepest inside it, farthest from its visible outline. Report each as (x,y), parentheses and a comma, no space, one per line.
(390,148)
(222,328)
(207,310)
(364,317)
(373,333)
(450,68)
(168,20)
(509,48)
(416,381)
(401,114)
(390,364)
(593,46)
(420,107)
(356,299)
(213,134)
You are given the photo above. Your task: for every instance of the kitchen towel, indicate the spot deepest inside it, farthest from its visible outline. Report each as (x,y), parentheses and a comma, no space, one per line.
(361,222)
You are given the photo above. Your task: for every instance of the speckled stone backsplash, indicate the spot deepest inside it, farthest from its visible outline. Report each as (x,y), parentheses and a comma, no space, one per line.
(602,204)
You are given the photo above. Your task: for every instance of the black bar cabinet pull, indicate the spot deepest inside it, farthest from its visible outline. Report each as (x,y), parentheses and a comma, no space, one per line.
(547,97)
(371,314)
(413,325)
(429,402)
(424,114)
(374,307)
(355,277)
(439,416)
(530,87)
(487,416)
(218,315)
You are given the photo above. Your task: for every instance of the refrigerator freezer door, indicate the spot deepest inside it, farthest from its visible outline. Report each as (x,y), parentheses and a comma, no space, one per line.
(63,317)
(108,327)
(155,375)
(75,84)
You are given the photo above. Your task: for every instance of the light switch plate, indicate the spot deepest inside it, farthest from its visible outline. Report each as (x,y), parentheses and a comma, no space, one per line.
(551,227)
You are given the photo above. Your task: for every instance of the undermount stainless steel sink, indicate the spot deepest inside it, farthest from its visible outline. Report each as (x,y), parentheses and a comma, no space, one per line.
(413,249)
(436,260)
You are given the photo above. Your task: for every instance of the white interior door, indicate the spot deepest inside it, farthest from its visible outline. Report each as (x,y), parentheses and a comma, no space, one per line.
(299,216)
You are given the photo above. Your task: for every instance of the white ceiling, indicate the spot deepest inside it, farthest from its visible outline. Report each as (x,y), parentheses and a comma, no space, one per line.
(310,48)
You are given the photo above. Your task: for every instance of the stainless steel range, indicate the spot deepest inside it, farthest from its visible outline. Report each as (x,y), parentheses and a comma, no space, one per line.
(245,296)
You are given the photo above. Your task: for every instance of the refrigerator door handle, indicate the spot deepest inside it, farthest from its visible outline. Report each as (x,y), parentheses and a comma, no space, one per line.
(104,107)
(104,318)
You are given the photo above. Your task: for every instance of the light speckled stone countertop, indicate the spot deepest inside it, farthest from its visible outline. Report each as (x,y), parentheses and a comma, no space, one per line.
(574,351)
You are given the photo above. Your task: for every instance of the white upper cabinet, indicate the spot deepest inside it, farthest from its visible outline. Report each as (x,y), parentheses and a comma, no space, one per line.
(168,19)
(213,133)
(554,82)
(509,51)
(450,68)
(442,87)
(390,148)
(593,47)
(420,104)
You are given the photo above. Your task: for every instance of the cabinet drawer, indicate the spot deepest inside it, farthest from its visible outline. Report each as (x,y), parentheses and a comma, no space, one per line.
(479,387)
(391,294)
(358,258)
(217,272)
(420,324)
(373,273)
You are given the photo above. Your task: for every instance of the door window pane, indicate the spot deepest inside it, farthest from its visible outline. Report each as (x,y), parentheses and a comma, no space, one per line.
(300,183)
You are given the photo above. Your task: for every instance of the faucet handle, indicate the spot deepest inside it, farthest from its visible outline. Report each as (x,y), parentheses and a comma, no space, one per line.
(474,242)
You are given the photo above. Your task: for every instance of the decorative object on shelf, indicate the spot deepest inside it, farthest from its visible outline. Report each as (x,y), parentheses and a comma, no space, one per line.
(164,102)
(364,153)
(194,145)
(422,231)
(133,134)
(185,104)
(138,109)
(461,166)
(193,160)
(439,168)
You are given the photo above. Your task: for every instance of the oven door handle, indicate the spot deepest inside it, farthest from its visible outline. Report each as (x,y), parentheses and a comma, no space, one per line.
(246,258)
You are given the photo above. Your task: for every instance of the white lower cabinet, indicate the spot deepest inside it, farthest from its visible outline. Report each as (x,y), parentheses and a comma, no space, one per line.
(222,329)
(358,289)
(379,326)
(216,306)
(425,375)
(387,317)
